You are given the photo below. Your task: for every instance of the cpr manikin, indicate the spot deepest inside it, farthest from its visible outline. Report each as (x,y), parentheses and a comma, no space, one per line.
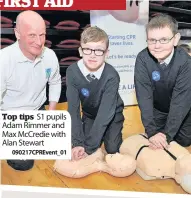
(173,162)
(97,162)
(134,155)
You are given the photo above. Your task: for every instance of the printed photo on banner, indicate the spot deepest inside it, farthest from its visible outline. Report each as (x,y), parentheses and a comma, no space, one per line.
(127,36)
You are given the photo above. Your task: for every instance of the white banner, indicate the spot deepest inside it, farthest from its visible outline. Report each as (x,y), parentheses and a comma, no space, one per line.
(127,36)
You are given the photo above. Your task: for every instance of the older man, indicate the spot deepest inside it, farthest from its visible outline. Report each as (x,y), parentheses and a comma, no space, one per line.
(26,68)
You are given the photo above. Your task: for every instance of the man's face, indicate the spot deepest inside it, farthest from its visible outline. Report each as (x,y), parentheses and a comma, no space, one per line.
(32,39)
(161,50)
(93,60)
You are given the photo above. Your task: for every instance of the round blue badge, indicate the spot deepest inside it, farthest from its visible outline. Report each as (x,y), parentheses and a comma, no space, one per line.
(155,75)
(85,92)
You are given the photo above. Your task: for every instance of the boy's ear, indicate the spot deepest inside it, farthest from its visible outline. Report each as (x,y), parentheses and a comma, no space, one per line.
(177,39)
(107,53)
(80,51)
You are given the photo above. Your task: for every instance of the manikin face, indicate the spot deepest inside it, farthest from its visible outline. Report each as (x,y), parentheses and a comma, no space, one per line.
(183,167)
(122,165)
(161,50)
(93,60)
(115,160)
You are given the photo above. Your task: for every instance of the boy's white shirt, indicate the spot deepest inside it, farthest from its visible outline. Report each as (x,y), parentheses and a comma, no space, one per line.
(85,71)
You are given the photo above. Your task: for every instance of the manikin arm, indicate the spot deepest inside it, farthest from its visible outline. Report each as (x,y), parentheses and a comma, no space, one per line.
(80,168)
(95,163)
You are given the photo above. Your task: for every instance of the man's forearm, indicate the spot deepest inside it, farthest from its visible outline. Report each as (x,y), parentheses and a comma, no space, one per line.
(52,105)
(54,92)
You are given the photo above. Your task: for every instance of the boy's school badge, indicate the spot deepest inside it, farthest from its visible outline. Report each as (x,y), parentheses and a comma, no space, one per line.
(85,92)
(48,72)
(155,75)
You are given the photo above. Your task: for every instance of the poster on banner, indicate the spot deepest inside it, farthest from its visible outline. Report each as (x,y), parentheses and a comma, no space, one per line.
(127,37)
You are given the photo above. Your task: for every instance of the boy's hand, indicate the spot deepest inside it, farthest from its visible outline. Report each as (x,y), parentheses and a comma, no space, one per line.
(158,141)
(78,153)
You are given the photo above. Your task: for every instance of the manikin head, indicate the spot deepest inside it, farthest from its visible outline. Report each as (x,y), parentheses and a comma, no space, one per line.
(94,48)
(162,36)
(30,32)
(183,172)
(121,165)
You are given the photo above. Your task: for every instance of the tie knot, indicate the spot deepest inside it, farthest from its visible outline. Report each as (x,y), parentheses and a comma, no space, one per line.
(163,65)
(91,77)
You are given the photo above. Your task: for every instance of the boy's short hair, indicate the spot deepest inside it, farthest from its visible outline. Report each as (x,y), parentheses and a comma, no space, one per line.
(161,21)
(94,34)
(186,47)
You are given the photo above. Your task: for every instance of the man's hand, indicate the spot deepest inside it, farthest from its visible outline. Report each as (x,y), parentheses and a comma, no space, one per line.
(52,105)
(158,141)
(78,153)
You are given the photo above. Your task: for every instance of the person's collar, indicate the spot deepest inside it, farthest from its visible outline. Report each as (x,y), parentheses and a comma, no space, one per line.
(168,59)
(97,73)
(22,58)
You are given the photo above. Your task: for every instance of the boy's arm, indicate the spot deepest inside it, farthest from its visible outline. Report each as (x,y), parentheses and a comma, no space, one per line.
(104,116)
(74,110)
(144,94)
(180,103)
